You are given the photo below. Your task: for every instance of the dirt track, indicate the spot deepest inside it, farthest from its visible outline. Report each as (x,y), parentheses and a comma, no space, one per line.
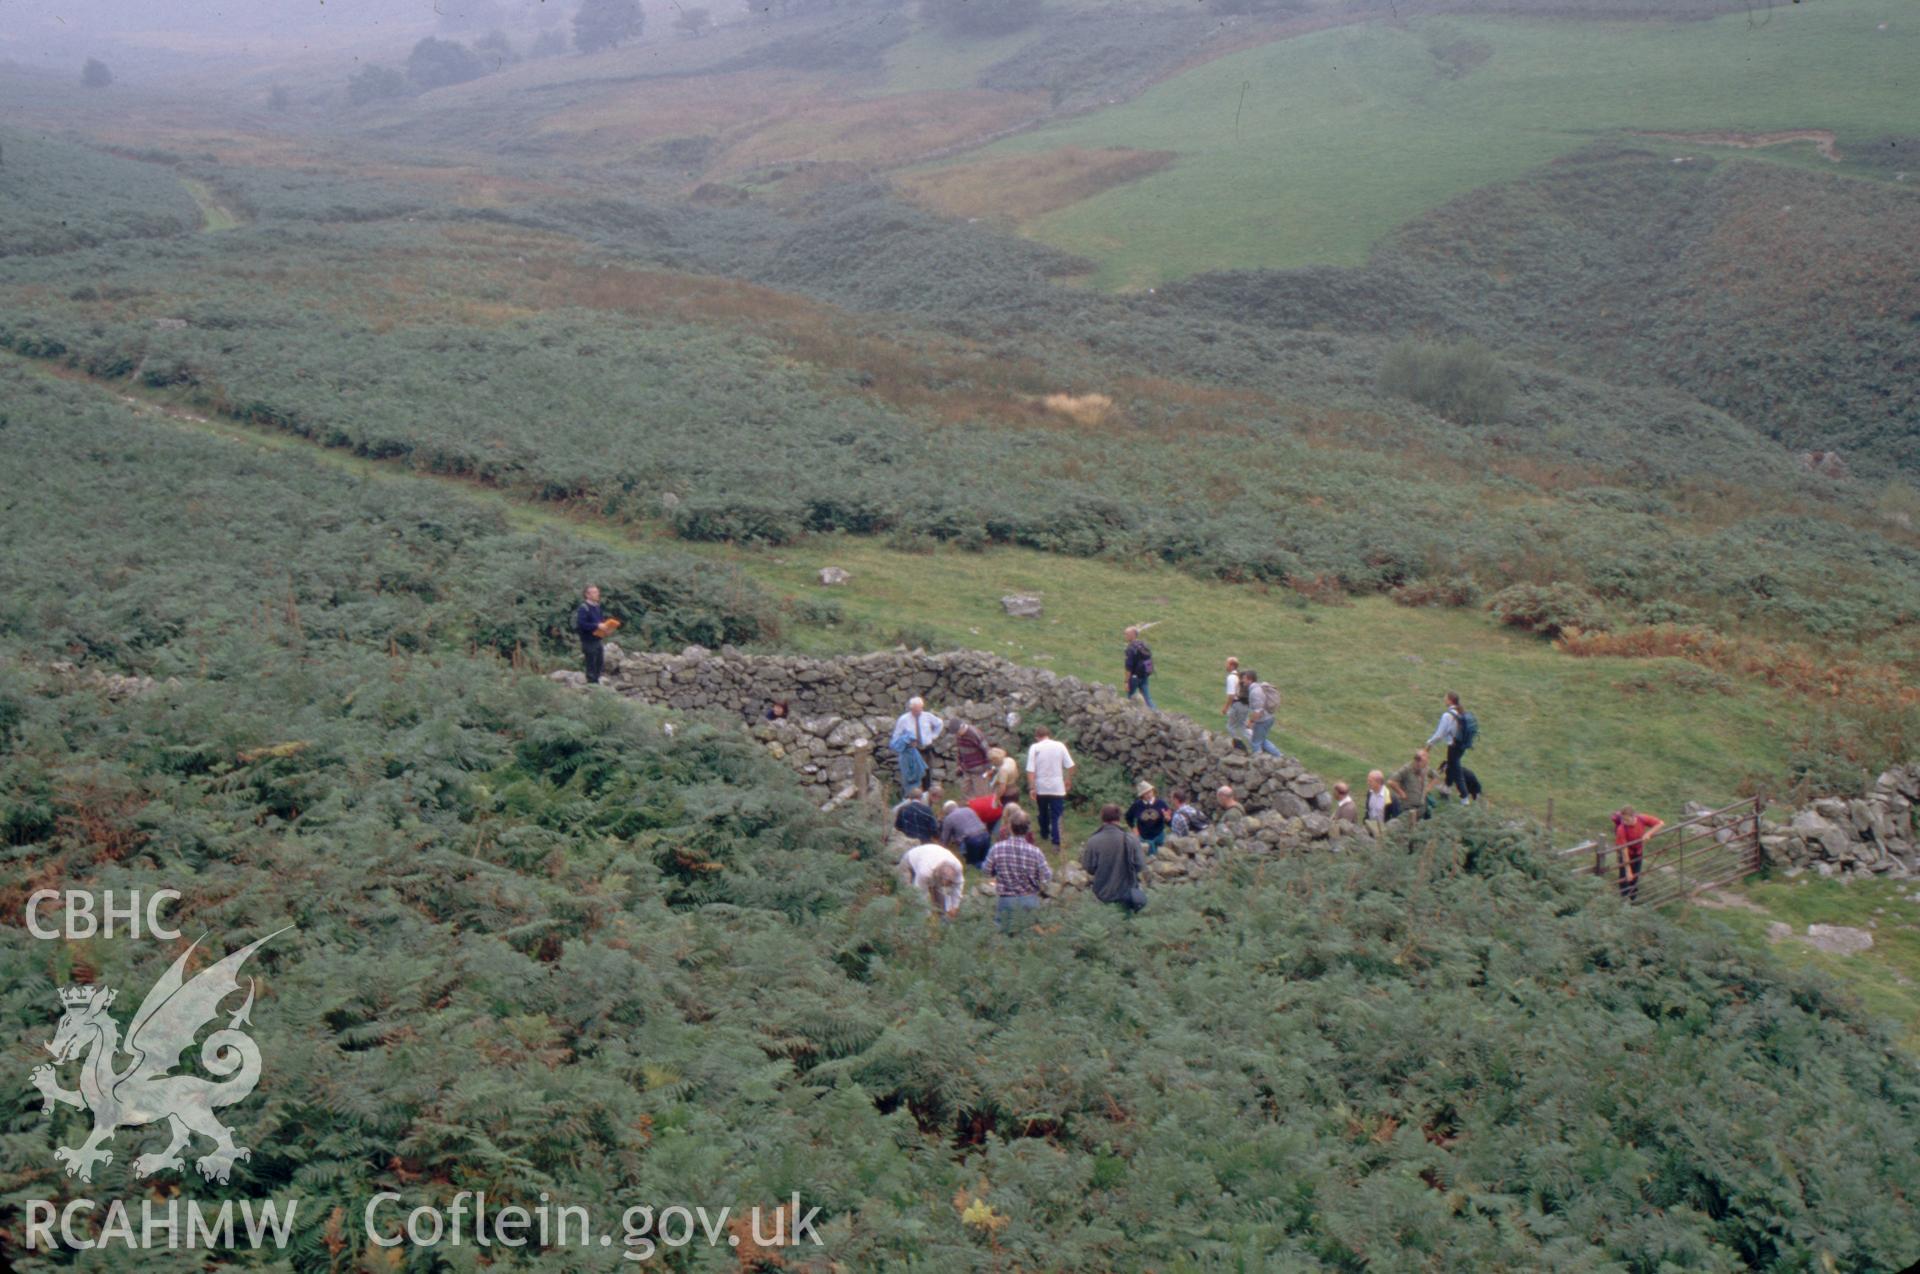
(1823,140)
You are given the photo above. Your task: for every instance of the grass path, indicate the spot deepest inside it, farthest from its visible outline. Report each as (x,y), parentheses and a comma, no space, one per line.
(1363,683)
(214,215)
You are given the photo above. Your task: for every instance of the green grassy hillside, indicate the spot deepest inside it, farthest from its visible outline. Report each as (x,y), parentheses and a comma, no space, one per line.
(1783,296)
(1309,150)
(334,476)
(497,353)
(1363,683)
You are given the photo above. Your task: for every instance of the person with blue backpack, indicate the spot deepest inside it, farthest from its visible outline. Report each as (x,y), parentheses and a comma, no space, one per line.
(1459,730)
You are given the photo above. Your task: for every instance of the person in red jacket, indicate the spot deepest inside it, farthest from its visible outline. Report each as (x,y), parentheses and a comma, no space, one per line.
(988,807)
(1630,832)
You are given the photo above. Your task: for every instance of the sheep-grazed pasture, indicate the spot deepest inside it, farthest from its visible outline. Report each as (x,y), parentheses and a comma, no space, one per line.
(1309,150)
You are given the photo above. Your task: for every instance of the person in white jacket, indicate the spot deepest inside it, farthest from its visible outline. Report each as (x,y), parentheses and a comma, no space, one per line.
(935,871)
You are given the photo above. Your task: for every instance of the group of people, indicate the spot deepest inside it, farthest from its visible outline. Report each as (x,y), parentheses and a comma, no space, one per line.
(998,838)
(985,827)
(1115,856)
(990,832)
(1410,790)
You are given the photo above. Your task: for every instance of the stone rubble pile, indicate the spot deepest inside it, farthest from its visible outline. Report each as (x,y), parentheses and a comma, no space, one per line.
(116,685)
(841,713)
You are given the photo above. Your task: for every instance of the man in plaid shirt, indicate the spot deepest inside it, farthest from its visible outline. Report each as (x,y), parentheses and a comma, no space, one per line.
(1019,870)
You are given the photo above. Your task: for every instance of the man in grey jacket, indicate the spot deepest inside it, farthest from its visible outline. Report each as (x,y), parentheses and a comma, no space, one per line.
(1114,858)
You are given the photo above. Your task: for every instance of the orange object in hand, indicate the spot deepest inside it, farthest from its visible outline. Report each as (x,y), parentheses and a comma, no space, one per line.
(606,628)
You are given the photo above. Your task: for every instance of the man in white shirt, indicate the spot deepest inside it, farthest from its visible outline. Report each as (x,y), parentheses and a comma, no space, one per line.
(1236,709)
(1379,799)
(1049,778)
(935,871)
(913,734)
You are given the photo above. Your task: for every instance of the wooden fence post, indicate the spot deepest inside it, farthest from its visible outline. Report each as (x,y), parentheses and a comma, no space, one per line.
(1680,865)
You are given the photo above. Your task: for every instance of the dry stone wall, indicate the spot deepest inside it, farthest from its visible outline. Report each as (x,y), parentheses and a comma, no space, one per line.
(1870,833)
(840,709)
(841,712)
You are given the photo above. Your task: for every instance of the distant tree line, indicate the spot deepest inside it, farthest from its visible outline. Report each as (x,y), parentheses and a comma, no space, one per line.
(438,63)
(981,17)
(602,24)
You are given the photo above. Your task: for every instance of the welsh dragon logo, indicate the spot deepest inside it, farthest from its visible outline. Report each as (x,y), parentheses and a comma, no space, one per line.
(144,1093)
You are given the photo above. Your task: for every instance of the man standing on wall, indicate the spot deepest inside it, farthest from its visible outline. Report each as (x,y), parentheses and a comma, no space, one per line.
(1236,709)
(1263,703)
(1139,668)
(590,624)
(1049,778)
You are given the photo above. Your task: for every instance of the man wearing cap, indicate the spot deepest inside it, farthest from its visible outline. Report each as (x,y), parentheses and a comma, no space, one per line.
(1148,816)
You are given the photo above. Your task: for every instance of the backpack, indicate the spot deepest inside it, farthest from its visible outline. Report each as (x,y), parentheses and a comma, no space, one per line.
(1269,698)
(1140,656)
(1243,692)
(1469,730)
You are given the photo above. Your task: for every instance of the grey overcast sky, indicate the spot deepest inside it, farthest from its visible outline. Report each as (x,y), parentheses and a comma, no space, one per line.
(179,31)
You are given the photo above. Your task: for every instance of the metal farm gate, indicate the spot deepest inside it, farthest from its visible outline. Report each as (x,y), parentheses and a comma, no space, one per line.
(1678,861)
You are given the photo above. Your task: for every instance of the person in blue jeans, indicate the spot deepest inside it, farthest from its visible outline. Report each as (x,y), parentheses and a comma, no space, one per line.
(1050,779)
(1263,700)
(1139,668)
(1019,870)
